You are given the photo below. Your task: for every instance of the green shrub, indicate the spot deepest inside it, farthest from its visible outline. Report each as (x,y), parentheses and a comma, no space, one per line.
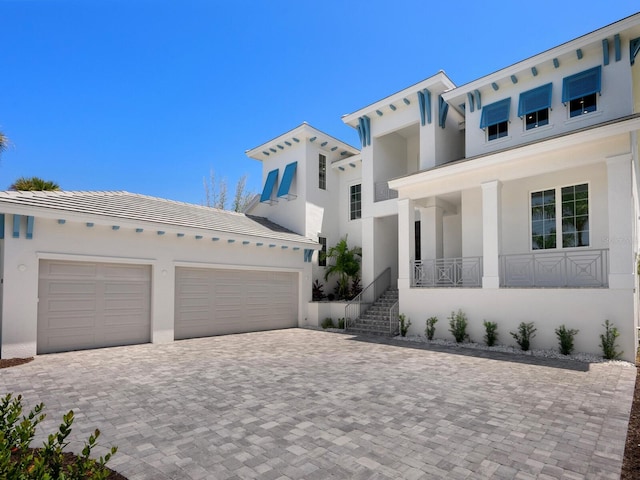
(458,326)
(526,331)
(608,341)
(327,323)
(341,323)
(19,461)
(565,338)
(404,324)
(491,333)
(430,329)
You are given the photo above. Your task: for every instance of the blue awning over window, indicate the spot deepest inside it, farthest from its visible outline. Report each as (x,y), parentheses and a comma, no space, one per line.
(287,178)
(535,100)
(495,113)
(272,178)
(581,84)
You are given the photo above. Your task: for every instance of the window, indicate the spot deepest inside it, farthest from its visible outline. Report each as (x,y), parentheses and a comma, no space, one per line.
(322,255)
(495,119)
(322,172)
(580,91)
(534,106)
(570,216)
(355,202)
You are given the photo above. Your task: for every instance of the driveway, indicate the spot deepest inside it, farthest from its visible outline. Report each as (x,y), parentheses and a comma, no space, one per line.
(304,404)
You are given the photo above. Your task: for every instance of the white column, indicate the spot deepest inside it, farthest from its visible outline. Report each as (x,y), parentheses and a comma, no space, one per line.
(367,265)
(406,241)
(163,282)
(431,243)
(621,221)
(491,234)
(427,146)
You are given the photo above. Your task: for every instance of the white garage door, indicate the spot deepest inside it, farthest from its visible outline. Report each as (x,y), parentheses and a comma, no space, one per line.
(217,301)
(90,305)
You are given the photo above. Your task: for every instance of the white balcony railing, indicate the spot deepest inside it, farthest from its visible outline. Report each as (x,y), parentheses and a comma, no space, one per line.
(570,269)
(448,272)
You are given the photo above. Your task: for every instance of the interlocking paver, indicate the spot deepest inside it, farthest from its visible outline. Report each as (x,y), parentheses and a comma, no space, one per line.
(303,404)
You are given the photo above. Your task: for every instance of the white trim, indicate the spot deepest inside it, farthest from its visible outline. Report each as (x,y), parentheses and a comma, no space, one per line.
(94,258)
(226,266)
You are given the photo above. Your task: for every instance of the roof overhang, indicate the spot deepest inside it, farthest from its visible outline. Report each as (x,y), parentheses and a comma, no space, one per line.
(302,133)
(436,84)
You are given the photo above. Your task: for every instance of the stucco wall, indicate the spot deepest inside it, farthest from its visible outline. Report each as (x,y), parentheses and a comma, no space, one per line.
(547,308)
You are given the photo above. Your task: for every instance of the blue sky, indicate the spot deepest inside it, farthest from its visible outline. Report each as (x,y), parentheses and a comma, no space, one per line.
(148,95)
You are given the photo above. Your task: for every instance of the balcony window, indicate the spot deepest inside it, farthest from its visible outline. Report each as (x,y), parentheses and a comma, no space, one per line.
(495,119)
(534,106)
(580,91)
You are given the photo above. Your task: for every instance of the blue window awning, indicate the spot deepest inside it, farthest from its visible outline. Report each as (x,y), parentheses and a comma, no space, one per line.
(272,178)
(581,84)
(287,178)
(495,113)
(535,100)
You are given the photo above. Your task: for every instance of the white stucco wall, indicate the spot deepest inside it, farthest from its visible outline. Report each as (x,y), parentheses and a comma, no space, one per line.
(582,309)
(75,241)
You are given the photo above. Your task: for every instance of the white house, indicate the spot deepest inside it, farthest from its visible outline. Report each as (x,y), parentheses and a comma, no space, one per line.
(513,198)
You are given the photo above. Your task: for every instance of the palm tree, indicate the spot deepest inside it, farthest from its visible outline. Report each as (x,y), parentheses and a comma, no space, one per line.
(33,183)
(4,142)
(345,263)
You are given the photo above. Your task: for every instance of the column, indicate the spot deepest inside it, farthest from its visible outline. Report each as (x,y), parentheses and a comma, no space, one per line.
(491,234)
(406,241)
(621,222)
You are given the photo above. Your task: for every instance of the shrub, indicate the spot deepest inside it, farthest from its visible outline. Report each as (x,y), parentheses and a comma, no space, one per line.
(608,341)
(430,329)
(526,331)
(317,292)
(327,323)
(19,461)
(565,337)
(491,333)
(341,323)
(404,324)
(458,326)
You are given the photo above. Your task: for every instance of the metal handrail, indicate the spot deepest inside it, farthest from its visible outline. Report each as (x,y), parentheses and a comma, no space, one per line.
(366,298)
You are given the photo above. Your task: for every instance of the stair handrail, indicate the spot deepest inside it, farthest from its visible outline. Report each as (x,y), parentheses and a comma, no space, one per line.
(373,291)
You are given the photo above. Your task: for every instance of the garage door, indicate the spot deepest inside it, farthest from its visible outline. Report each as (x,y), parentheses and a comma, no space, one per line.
(90,305)
(217,301)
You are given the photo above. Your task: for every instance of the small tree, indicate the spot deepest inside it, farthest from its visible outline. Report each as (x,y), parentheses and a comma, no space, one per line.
(343,263)
(34,184)
(565,338)
(430,329)
(608,341)
(491,333)
(526,331)
(458,326)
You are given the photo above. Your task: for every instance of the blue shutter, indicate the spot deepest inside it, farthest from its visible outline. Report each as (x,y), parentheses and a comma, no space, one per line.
(581,84)
(287,178)
(495,113)
(268,186)
(534,100)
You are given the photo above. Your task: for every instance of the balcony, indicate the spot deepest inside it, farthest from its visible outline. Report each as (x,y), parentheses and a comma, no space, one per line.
(570,269)
(448,272)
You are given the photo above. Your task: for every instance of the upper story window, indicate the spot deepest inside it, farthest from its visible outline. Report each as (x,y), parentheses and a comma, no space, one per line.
(495,119)
(322,172)
(570,216)
(322,256)
(534,106)
(355,202)
(580,91)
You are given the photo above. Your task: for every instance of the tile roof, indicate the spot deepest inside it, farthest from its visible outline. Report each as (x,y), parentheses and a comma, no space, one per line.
(142,208)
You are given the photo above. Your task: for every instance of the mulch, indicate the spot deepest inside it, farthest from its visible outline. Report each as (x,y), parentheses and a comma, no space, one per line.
(630,464)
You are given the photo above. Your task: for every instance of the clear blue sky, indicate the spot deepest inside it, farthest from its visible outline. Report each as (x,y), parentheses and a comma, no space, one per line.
(148,95)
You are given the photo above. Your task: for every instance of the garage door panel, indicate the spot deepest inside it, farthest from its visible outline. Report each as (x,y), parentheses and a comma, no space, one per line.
(89,305)
(237,301)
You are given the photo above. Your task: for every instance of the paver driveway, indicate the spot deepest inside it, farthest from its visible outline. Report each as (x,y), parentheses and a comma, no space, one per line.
(303,404)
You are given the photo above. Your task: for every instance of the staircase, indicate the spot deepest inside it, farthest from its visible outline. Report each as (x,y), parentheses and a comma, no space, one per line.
(376,319)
